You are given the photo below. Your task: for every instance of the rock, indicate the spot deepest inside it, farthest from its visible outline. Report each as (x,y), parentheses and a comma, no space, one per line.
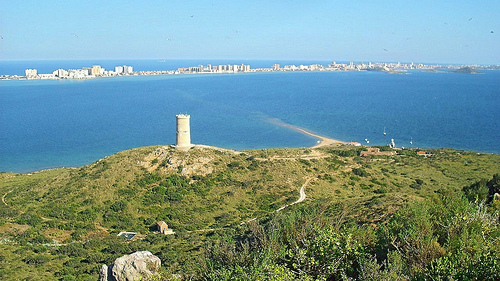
(103,273)
(136,266)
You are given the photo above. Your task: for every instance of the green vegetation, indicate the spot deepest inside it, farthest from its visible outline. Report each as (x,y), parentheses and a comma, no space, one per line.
(443,238)
(366,218)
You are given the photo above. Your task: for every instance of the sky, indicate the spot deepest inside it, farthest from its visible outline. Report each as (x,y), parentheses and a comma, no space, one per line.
(459,31)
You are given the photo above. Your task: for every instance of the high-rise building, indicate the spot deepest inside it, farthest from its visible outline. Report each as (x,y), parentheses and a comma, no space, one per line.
(60,73)
(119,69)
(31,73)
(127,69)
(96,70)
(124,69)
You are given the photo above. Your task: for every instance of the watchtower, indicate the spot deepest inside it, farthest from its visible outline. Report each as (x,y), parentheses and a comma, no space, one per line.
(183,132)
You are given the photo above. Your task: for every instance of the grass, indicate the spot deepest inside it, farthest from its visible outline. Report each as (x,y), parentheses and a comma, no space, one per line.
(206,188)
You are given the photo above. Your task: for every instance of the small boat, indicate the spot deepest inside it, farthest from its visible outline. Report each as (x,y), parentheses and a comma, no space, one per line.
(392,144)
(411,140)
(385,134)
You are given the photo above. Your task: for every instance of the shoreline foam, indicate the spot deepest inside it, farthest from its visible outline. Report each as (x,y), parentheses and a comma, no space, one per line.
(323,141)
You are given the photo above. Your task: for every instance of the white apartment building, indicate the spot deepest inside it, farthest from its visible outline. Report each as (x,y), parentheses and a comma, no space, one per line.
(119,69)
(31,73)
(61,73)
(78,74)
(127,69)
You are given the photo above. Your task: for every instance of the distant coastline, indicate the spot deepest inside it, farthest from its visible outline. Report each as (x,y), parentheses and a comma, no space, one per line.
(96,71)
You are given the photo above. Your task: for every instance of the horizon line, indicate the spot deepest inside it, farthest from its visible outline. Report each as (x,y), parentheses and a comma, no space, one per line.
(232,59)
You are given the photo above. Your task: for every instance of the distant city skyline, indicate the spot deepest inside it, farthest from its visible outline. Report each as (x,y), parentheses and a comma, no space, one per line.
(425,31)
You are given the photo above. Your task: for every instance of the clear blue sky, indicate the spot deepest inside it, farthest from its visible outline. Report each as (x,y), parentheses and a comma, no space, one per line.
(360,30)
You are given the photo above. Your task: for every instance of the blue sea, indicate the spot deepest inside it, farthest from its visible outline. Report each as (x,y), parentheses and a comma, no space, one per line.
(55,123)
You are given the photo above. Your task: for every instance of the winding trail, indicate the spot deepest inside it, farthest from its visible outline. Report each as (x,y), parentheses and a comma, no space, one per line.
(3,197)
(302,196)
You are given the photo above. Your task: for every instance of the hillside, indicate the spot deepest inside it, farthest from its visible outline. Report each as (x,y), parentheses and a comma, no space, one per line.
(62,223)
(467,70)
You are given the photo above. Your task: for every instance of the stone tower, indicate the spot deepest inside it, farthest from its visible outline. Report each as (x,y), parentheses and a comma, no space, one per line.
(183,132)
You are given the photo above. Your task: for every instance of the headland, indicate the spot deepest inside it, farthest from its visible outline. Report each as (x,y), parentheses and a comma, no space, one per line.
(205,194)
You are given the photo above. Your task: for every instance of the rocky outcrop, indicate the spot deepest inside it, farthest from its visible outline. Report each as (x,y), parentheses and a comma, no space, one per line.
(136,266)
(467,70)
(104,273)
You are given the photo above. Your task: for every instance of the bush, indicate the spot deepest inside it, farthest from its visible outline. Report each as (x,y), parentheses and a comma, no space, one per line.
(444,239)
(234,164)
(360,172)
(87,215)
(29,219)
(6,212)
(36,259)
(118,206)
(299,245)
(345,153)
(483,190)
(60,212)
(95,258)
(72,250)
(305,162)
(417,184)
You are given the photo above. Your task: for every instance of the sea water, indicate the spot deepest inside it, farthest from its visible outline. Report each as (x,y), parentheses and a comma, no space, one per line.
(60,123)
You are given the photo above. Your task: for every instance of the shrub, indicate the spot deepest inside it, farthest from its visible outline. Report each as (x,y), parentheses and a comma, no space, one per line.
(360,172)
(305,162)
(118,206)
(345,153)
(417,184)
(6,212)
(36,259)
(29,219)
(234,164)
(72,250)
(483,190)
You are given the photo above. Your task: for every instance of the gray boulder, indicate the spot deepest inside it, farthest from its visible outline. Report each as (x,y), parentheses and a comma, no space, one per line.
(136,266)
(103,273)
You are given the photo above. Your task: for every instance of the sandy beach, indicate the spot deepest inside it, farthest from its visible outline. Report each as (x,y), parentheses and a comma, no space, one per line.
(323,141)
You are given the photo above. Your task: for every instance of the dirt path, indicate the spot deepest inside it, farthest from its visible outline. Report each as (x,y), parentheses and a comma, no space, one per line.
(302,196)
(3,197)
(302,192)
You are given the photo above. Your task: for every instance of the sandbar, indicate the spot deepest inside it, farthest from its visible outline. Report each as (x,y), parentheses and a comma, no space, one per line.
(323,141)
